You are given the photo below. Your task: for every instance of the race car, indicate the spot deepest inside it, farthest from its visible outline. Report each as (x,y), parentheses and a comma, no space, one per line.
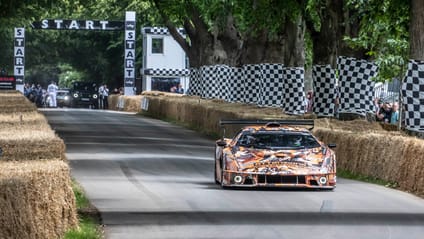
(274,153)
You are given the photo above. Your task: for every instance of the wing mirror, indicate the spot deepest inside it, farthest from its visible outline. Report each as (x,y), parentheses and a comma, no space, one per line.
(332,146)
(221,143)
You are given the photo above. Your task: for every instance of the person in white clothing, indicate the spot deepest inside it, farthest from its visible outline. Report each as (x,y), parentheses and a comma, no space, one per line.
(101,106)
(52,90)
(105,96)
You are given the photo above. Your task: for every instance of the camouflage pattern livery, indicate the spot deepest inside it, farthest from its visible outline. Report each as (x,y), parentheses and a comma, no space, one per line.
(277,155)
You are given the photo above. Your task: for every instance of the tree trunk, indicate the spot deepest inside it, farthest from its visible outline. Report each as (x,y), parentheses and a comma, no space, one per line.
(325,42)
(416,30)
(294,44)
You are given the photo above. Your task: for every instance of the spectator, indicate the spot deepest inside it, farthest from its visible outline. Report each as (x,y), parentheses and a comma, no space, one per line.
(52,90)
(39,96)
(384,113)
(100,91)
(105,96)
(309,101)
(179,89)
(394,118)
(173,89)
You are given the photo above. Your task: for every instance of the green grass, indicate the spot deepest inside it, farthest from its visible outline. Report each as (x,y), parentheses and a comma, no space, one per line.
(88,225)
(356,176)
(88,229)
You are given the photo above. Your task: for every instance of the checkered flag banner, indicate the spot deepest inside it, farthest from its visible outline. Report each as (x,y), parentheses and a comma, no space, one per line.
(194,88)
(209,82)
(235,85)
(324,85)
(166,72)
(272,81)
(356,86)
(413,96)
(252,84)
(294,90)
(222,73)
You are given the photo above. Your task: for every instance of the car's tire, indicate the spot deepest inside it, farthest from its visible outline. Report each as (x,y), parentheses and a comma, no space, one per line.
(216,178)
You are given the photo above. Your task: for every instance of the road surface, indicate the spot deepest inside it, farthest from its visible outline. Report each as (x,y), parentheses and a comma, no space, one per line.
(152,179)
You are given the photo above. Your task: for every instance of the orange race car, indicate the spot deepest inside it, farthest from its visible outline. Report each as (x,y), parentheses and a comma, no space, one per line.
(276,153)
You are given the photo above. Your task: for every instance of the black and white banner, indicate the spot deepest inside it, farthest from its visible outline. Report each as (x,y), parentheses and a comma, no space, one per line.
(129,58)
(19,54)
(62,24)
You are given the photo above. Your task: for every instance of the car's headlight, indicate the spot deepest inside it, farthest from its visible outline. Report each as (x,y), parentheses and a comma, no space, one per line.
(95,96)
(75,95)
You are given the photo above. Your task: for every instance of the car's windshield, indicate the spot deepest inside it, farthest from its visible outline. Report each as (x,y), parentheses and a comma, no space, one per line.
(63,93)
(277,139)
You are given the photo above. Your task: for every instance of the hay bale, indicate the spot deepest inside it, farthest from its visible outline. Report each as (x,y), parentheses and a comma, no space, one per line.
(21,120)
(31,145)
(36,200)
(15,102)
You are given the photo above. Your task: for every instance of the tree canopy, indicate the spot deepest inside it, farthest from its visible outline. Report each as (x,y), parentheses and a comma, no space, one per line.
(233,32)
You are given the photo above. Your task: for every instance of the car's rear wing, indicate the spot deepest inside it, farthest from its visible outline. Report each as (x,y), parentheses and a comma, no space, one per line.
(270,122)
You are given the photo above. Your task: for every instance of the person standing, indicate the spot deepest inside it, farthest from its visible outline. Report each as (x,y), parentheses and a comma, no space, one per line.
(100,97)
(394,118)
(105,96)
(52,90)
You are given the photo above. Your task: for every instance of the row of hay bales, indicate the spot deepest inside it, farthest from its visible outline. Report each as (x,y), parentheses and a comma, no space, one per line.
(362,147)
(36,197)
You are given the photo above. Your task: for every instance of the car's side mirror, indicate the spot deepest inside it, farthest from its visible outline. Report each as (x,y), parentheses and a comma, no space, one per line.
(331,146)
(221,143)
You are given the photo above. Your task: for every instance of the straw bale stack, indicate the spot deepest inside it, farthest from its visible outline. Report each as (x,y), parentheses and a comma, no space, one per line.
(388,156)
(15,102)
(36,200)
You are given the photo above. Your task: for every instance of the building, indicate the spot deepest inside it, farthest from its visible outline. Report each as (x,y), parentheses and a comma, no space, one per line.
(164,62)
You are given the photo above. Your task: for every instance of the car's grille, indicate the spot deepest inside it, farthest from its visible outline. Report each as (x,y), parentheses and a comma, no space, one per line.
(281,179)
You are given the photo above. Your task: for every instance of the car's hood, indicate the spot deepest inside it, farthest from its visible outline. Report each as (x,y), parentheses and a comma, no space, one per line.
(303,161)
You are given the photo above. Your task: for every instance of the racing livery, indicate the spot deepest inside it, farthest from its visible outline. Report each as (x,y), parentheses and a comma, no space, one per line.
(280,153)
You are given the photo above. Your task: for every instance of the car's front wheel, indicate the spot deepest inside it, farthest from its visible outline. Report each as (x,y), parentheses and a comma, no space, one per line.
(215,175)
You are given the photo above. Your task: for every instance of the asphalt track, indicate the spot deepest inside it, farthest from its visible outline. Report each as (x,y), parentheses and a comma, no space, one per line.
(152,179)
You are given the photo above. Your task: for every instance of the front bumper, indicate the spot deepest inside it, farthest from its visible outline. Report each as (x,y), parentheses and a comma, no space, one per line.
(238,179)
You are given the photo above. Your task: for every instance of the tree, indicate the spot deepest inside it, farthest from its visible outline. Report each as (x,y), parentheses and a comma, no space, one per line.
(237,32)
(416,30)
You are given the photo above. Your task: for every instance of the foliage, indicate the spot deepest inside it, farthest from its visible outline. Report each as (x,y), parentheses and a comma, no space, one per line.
(94,55)
(384,32)
(88,228)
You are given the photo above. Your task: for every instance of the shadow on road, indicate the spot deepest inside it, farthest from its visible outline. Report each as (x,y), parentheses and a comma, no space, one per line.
(269,218)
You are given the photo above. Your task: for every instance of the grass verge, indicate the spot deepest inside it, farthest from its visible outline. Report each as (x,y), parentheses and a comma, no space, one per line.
(89,217)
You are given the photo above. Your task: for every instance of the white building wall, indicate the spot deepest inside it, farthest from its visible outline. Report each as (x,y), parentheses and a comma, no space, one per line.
(172,58)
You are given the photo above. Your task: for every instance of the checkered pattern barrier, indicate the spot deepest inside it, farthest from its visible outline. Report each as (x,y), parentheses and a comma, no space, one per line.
(356,86)
(160,30)
(324,84)
(235,85)
(195,87)
(294,90)
(413,96)
(209,82)
(223,75)
(252,84)
(272,80)
(166,72)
